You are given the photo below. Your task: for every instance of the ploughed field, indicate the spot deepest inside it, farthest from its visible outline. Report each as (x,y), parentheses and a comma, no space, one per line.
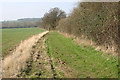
(11,37)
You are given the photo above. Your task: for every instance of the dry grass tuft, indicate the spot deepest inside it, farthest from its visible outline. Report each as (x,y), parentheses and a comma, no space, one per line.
(81,40)
(12,64)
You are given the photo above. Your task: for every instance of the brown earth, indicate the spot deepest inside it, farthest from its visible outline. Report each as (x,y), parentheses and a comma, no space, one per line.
(41,65)
(12,64)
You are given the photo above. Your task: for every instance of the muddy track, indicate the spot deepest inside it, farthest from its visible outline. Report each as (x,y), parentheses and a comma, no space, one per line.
(41,65)
(53,69)
(13,64)
(31,60)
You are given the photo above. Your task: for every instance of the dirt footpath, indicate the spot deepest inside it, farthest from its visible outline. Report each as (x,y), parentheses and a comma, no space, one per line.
(12,64)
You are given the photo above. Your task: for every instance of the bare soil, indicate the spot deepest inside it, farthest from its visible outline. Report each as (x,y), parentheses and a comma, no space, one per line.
(41,65)
(30,60)
(13,64)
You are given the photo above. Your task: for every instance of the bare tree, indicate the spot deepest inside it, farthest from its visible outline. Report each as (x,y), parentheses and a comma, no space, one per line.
(50,19)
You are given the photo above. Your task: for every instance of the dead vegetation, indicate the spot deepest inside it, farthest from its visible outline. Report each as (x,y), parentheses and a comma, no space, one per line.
(96,22)
(38,65)
(86,42)
(41,65)
(12,64)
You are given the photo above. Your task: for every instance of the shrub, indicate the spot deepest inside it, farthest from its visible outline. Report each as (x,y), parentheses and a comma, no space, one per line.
(95,20)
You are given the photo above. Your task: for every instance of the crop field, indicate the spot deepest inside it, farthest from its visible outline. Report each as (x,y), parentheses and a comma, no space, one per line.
(11,37)
(60,57)
(78,42)
(84,60)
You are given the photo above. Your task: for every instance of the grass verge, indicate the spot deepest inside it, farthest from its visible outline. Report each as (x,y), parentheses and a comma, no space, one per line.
(85,60)
(11,37)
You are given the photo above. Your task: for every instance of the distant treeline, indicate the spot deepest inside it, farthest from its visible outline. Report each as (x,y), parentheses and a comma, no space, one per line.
(16,27)
(21,23)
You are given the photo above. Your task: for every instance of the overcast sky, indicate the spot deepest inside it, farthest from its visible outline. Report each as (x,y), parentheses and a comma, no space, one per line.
(15,9)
